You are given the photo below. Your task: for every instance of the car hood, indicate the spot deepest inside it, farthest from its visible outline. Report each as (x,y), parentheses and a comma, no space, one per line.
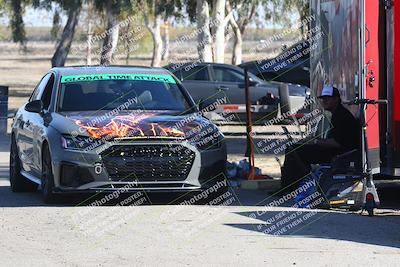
(104,124)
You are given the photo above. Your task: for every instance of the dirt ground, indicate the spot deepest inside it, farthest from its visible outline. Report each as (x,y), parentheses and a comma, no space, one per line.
(161,234)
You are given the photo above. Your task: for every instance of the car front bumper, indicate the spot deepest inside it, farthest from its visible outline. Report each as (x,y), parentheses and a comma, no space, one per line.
(79,171)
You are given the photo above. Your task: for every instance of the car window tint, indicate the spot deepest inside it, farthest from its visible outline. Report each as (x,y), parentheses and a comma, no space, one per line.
(199,73)
(227,75)
(46,96)
(39,88)
(34,94)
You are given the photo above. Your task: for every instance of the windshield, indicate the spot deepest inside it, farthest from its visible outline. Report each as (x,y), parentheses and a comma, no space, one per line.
(130,91)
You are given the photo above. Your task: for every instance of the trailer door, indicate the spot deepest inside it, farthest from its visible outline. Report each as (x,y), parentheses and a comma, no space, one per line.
(371,75)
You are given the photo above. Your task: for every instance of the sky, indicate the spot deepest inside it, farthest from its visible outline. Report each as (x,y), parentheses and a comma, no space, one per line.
(36,17)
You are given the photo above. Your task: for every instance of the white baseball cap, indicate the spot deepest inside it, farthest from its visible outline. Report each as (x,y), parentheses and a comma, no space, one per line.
(329,91)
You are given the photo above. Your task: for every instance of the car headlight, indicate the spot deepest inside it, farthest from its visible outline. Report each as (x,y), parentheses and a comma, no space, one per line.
(78,142)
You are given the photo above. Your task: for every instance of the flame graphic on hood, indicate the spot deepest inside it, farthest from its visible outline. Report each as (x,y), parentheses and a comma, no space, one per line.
(128,126)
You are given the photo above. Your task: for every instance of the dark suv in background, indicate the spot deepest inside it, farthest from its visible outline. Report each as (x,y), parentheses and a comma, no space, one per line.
(292,65)
(212,81)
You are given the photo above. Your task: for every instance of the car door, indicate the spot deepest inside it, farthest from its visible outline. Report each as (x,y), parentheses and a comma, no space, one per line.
(38,125)
(21,121)
(29,129)
(196,79)
(233,79)
(230,82)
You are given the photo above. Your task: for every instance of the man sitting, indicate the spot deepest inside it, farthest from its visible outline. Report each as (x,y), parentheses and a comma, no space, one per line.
(344,136)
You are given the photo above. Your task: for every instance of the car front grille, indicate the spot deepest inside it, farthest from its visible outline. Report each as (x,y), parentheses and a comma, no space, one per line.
(148,162)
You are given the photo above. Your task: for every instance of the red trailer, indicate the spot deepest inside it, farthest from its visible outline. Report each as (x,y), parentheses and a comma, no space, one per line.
(356,50)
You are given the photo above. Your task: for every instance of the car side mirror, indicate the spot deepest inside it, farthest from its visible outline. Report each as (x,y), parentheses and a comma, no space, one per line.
(308,93)
(251,83)
(206,105)
(35,106)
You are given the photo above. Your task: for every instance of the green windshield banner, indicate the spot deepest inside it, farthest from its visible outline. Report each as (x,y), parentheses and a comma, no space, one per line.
(112,76)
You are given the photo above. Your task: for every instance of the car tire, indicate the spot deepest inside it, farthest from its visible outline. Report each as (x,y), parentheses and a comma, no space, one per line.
(18,182)
(47,176)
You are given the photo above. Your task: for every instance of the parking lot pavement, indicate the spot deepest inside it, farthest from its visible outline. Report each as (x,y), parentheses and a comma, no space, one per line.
(241,232)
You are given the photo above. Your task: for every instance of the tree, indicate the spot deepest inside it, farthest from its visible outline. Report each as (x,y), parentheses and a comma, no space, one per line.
(211,28)
(219,30)
(126,32)
(283,11)
(55,29)
(241,13)
(204,39)
(16,22)
(73,9)
(90,10)
(154,13)
(2,7)
(165,37)
(154,26)
(303,9)
(112,9)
